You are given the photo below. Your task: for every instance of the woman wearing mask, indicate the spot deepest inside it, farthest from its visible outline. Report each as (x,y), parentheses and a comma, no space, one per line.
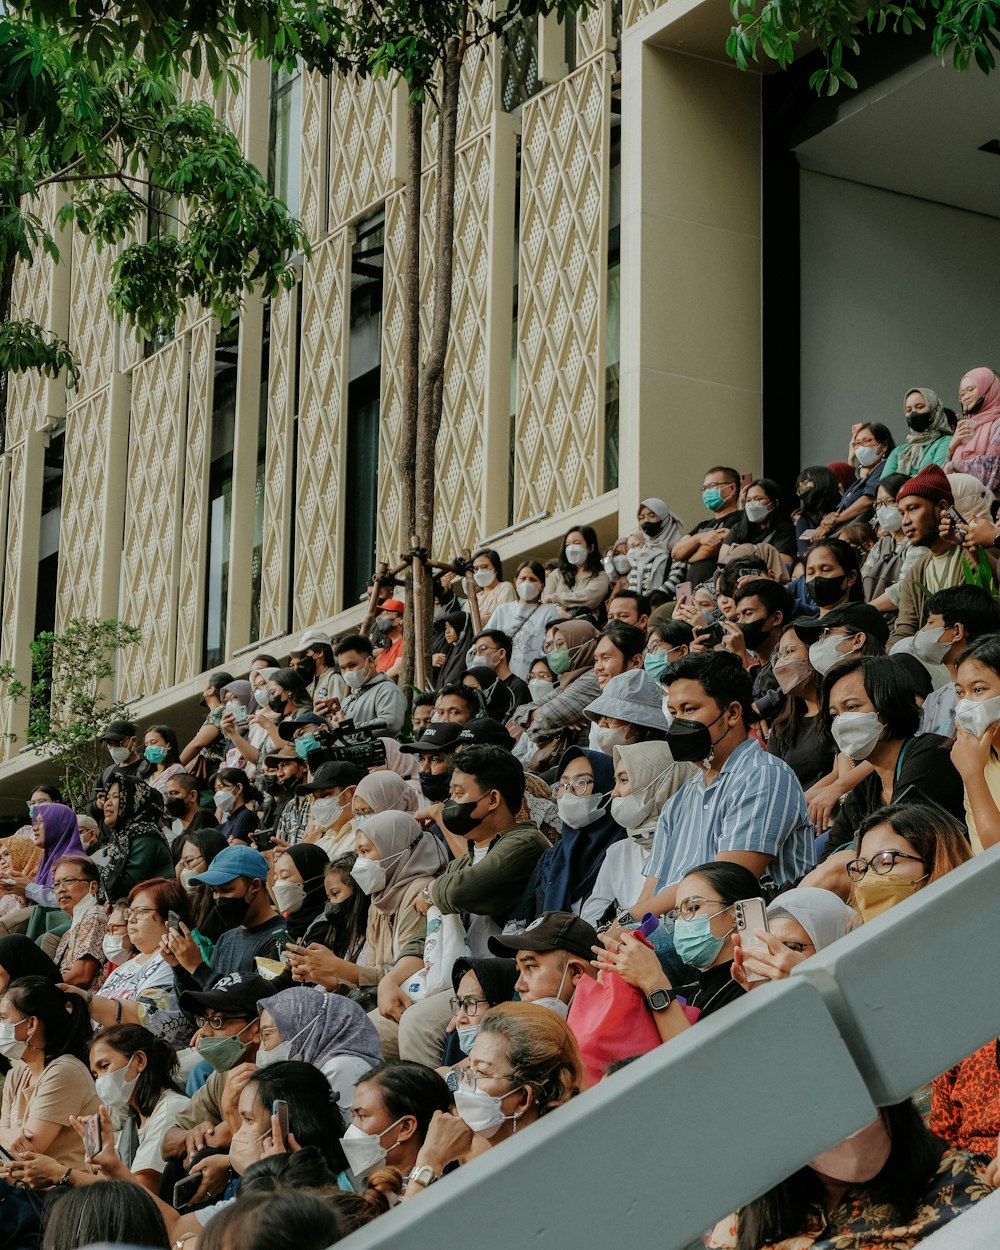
(19,859)
(565,875)
(833,575)
(391,1113)
(162,756)
(542,682)
(579,583)
(870,445)
(870,710)
(195,851)
(524,621)
(232,793)
(135,1075)
(617,565)
(395,860)
(668,641)
(80,953)
(137,848)
(892,1175)
(491,589)
(797,732)
(479,984)
(247,736)
(117,947)
(327,1030)
(298,888)
(570,649)
(237,705)
(55,831)
(818,493)
(141,988)
(342,927)
(976,752)
(891,556)
(646,775)
(44,1032)
(383,792)
(800,922)
(287,695)
(629,709)
(206,750)
(975,446)
(929,428)
(763,521)
(661,527)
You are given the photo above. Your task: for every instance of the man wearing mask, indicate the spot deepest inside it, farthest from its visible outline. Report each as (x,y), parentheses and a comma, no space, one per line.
(763,608)
(436,747)
(493,647)
(373,696)
(390,619)
(120,739)
(329,794)
(746,808)
(238,880)
(720,493)
(291,812)
(180,798)
(552,955)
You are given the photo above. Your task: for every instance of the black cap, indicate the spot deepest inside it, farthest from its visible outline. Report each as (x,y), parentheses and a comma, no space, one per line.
(288,728)
(438,737)
(334,773)
(859,616)
(551,931)
(234,995)
(117,730)
(484,731)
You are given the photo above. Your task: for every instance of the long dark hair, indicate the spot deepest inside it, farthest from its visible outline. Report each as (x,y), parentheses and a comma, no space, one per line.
(847,558)
(169,736)
(787,725)
(290,680)
(160,1072)
(888,686)
(593,561)
(115,1212)
(825,493)
(913,1159)
(313,1116)
(65,1016)
(350,922)
(201,902)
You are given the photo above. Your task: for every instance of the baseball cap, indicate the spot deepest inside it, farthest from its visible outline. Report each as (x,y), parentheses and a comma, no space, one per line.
(439,736)
(311,638)
(235,994)
(337,773)
(117,730)
(288,727)
(392,605)
(860,616)
(551,931)
(484,731)
(233,862)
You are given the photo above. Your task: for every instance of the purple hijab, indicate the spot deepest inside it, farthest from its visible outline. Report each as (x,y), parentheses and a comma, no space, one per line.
(342,1027)
(62,837)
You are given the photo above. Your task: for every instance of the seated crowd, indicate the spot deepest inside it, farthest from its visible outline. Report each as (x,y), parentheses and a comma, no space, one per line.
(289,974)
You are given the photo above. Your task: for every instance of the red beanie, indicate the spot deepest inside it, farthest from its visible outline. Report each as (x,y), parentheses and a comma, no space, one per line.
(929,483)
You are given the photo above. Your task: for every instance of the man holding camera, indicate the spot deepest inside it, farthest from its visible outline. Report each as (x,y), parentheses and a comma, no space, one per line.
(373,696)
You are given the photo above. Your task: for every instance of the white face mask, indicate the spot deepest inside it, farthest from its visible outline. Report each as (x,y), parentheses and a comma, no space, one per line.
(115,948)
(225,800)
(630,811)
(608,737)
(261,696)
(579,810)
(666,710)
(364,1151)
(369,874)
(541,689)
(356,677)
(10,1047)
(115,1089)
(556,1003)
(609,568)
(283,1050)
(927,645)
(527,590)
(483,1112)
(288,895)
(867,456)
(576,554)
(622,565)
(120,754)
(976,716)
(889,518)
(857,733)
(823,655)
(484,577)
(756,511)
(326,811)
(186,875)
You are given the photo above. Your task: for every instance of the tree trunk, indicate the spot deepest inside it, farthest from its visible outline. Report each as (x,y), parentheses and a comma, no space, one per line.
(431,397)
(411,376)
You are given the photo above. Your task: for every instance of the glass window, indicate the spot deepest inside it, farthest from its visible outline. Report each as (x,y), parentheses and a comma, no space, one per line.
(285,136)
(220,493)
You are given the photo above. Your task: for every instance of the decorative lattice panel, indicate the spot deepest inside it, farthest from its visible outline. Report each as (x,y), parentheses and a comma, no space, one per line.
(83,523)
(560,351)
(388,539)
(312,165)
(636,10)
(194,520)
(92,328)
(323,404)
(152,516)
(18,585)
(361,146)
(25,401)
(477,103)
(236,113)
(278,466)
(594,36)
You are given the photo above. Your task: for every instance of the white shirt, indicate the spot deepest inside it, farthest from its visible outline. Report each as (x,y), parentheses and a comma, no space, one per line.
(149,1156)
(620,878)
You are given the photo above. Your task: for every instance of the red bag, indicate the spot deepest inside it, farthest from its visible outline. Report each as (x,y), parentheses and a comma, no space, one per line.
(610,1020)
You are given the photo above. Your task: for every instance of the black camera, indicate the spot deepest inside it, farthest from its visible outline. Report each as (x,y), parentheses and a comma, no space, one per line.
(348,743)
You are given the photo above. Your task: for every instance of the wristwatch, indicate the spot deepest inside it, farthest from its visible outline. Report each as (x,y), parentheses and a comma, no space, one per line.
(660,1000)
(425,894)
(423,1175)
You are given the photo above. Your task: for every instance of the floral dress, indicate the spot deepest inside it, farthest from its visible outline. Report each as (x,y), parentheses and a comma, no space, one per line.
(859,1223)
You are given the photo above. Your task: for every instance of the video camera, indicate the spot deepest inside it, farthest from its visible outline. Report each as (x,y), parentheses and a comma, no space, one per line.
(348,743)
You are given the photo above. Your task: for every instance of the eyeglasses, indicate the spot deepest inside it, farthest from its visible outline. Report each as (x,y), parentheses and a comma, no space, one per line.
(469,1005)
(465,1078)
(579,785)
(880,863)
(215,1022)
(138,912)
(70,881)
(691,907)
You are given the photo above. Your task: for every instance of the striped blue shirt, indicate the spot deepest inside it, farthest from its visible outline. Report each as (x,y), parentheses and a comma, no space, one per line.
(754,804)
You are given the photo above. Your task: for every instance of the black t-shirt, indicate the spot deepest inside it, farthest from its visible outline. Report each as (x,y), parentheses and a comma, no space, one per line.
(702,570)
(808,755)
(924,768)
(780,535)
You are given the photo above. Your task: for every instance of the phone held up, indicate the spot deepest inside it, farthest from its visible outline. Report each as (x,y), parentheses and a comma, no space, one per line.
(751,916)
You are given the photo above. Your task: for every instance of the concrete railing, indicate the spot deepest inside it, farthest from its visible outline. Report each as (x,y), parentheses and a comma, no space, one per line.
(685,1135)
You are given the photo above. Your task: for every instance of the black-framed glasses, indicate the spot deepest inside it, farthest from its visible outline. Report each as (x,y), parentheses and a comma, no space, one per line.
(470,1005)
(880,863)
(215,1021)
(578,786)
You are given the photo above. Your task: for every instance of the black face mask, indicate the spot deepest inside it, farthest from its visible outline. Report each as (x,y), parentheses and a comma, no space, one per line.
(268,782)
(971,412)
(333,911)
(435,787)
(754,632)
(459,819)
(175,807)
(306,669)
(276,704)
(233,911)
(919,421)
(826,591)
(690,741)
(652,528)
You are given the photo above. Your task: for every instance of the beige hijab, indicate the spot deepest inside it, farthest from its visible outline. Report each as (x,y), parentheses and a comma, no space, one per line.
(387,791)
(651,767)
(407,853)
(581,639)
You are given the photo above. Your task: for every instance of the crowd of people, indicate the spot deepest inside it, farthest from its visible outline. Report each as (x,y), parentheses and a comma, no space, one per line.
(289,974)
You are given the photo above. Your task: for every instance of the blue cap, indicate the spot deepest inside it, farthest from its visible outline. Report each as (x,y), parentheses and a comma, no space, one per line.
(233,862)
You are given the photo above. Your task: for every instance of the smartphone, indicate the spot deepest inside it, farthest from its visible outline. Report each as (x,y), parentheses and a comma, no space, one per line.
(185,1190)
(712,634)
(263,839)
(6,1155)
(684,592)
(334,708)
(173,921)
(92,1136)
(959,522)
(241,714)
(749,573)
(750,916)
(280,1108)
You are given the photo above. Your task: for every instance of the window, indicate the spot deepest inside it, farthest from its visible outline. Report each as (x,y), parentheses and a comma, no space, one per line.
(161,223)
(48,550)
(612,324)
(220,493)
(284,137)
(257,559)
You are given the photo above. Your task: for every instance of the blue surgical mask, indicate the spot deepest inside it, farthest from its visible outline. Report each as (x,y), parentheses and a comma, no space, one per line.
(155,755)
(305,743)
(656,663)
(712,498)
(695,942)
(467,1034)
